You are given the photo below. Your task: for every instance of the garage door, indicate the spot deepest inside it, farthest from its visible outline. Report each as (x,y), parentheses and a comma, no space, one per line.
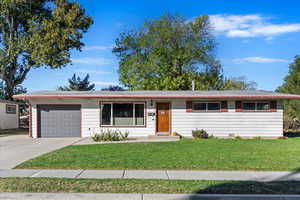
(59,120)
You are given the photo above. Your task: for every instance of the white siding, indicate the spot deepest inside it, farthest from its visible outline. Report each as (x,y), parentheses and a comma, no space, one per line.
(8,121)
(247,124)
(265,124)
(90,116)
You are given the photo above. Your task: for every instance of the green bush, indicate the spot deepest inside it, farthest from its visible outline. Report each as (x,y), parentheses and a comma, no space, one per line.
(200,134)
(257,138)
(110,135)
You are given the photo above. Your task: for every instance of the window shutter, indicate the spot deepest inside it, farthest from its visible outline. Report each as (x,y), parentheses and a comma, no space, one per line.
(273,106)
(189,106)
(238,106)
(224,106)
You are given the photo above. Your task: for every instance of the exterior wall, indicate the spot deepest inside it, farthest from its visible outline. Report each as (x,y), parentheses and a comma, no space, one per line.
(8,121)
(90,116)
(247,124)
(221,124)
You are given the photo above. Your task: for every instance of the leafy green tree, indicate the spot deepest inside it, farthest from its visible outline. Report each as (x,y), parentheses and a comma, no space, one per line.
(37,33)
(239,83)
(78,84)
(292,85)
(168,54)
(113,88)
(17,90)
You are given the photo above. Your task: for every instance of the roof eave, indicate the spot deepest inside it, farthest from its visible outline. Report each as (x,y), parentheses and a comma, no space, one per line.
(158,97)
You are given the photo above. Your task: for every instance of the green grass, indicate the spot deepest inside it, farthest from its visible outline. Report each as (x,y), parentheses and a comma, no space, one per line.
(146,186)
(9,132)
(202,154)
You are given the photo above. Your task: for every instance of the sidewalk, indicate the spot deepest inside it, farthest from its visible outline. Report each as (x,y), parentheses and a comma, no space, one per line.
(109,196)
(155,174)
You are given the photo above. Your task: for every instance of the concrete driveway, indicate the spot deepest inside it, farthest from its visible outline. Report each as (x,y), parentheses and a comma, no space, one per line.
(19,148)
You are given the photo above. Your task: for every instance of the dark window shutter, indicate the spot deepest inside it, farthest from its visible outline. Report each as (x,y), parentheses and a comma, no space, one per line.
(189,106)
(238,106)
(273,106)
(224,106)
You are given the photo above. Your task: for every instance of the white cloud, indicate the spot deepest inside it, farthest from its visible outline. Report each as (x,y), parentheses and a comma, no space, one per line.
(98,72)
(92,61)
(100,83)
(258,60)
(249,26)
(98,47)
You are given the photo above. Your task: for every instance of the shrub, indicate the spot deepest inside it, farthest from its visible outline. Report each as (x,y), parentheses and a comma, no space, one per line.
(110,135)
(238,137)
(257,138)
(283,138)
(231,135)
(211,137)
(200,134)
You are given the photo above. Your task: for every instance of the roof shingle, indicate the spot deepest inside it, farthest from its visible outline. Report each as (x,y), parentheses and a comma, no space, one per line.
(213,94)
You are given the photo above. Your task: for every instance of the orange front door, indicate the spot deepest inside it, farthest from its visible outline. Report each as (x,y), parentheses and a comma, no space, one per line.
(163,117)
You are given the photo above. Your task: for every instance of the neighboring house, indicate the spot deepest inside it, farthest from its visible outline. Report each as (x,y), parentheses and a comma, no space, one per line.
(9,114)
(145,113)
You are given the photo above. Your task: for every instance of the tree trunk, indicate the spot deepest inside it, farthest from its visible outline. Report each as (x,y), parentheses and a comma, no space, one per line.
(9,90)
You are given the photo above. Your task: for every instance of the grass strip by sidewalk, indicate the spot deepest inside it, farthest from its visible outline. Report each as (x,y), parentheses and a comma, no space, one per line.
(189,154)
(146,186)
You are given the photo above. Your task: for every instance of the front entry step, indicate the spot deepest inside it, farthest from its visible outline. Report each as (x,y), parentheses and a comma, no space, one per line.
(170,138)
(162,134)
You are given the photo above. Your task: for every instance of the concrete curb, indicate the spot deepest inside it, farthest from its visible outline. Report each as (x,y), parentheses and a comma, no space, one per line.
(154,174)
(136,196)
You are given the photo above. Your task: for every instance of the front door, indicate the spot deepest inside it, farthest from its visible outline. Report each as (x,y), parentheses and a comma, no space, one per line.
(163,117)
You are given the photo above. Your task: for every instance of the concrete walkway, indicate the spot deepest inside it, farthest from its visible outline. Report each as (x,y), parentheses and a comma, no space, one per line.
(19,148)
(155,174)
(108,196)
(86,141)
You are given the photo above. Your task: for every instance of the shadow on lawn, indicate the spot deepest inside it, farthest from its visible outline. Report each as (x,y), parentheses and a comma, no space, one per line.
(286,184)
(291,134)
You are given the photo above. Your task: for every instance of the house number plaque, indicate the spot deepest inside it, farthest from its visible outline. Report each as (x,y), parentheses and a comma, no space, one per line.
(151,114)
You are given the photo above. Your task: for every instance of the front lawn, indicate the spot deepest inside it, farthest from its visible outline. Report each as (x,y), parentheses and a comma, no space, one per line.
(9,132)
(202,154)
(146,186)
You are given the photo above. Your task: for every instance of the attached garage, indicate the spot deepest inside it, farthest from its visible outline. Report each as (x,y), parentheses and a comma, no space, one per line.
(59,121)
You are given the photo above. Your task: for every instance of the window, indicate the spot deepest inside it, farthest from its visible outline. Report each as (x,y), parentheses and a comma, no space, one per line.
(248,106)
(206,106)
(256,106)
(122,114)
(11,109)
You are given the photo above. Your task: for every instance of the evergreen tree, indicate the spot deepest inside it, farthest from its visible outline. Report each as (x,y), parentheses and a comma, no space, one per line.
(78,84)
(113,88)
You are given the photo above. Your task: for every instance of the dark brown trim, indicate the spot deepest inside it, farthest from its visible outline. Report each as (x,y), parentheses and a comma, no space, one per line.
(189,106)
(113,126)
(273,106)
(30,121)
(38,128)
(39,116)
(224,106)
(238,106)
(166,97)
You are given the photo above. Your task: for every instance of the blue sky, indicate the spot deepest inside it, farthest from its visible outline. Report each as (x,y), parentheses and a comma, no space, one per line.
(256,39)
